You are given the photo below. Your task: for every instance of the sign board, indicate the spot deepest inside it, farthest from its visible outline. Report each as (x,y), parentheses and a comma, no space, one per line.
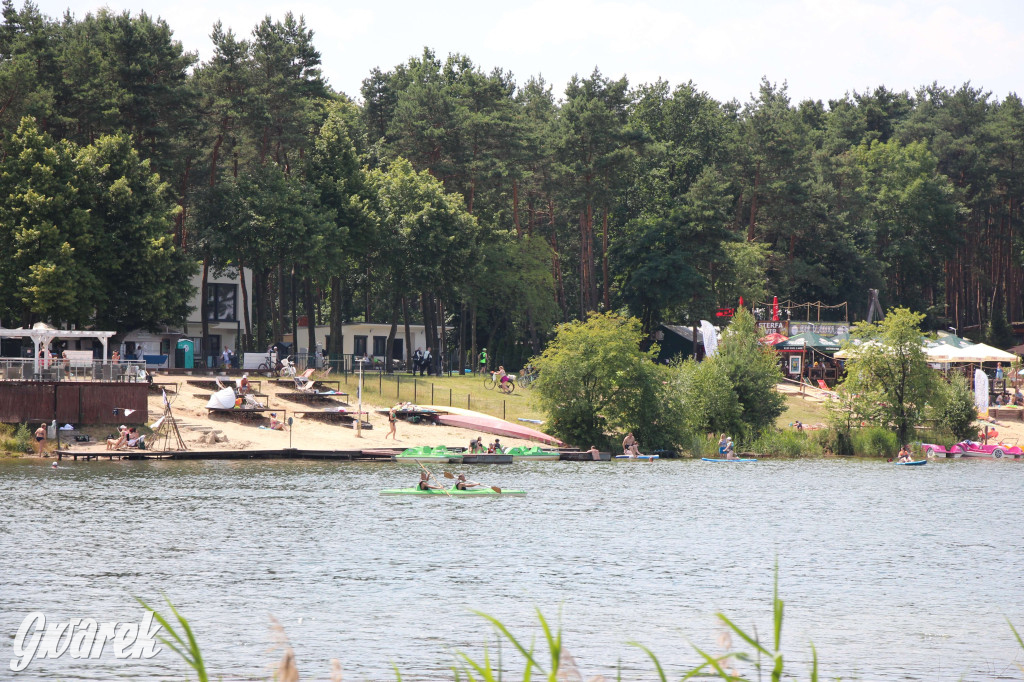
(819,328)
(725,312)
(766,327)
(795,364)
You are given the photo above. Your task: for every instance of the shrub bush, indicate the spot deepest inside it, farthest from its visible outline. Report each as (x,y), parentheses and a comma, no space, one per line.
(874,441)
(785,443)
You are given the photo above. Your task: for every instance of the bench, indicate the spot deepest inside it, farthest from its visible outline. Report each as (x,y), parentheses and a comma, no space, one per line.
(346,419)
(310,397)
(251,413)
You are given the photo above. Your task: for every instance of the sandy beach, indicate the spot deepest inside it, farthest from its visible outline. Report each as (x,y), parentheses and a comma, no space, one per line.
(189,409)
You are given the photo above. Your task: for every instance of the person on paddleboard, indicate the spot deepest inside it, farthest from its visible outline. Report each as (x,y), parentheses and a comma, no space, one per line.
(904,455)
(425,483)
(462,483)
(630,447)
(723,443)
(730,449)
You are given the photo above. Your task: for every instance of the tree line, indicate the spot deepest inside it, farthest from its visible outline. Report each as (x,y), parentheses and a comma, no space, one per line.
(446,193)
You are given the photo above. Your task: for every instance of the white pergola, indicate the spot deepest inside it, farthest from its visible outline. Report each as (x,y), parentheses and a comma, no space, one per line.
(43,334)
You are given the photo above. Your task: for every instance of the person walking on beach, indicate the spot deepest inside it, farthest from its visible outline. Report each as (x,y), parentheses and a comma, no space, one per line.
(391,424)
(40,439)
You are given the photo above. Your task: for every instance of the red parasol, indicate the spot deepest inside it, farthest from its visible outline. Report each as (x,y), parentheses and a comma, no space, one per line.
(775,308)
(773,338)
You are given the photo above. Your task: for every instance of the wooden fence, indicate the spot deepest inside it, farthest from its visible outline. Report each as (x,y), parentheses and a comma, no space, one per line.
(73,402)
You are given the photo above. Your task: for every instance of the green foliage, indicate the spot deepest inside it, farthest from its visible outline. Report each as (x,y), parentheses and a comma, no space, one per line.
(753,372)
(785,443)
(17,441)
(183,643)
(956,411)
(874,441)
(888,380)
(594,379)
(709,401)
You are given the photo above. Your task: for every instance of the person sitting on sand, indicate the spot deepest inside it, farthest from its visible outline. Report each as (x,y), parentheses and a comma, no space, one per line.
(425,483)
(118,443)
(462,483)
(275,423)
(135,439)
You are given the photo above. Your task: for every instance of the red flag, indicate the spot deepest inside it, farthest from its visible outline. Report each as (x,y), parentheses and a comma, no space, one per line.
(775,308)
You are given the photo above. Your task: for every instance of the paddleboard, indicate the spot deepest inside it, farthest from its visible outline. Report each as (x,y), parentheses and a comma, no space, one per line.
(639,457)
(708,459)
(915,463)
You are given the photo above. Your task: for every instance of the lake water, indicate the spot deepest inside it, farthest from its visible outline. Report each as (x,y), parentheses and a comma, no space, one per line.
(893,573)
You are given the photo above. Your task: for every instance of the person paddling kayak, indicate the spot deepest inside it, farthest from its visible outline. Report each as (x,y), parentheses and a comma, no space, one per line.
(425,483)
(462,483)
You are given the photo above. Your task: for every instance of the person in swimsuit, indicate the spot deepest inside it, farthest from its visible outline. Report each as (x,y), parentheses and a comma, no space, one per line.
(425,483)
(904,455)
(594,453)
(630,448)
(730,450)
(40,439)
(391,424)
(462,483)
(723,443)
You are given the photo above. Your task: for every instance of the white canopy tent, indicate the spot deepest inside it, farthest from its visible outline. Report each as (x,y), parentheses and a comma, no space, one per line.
(43,334)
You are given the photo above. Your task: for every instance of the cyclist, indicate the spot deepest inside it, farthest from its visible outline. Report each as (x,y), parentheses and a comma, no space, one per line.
(503,379)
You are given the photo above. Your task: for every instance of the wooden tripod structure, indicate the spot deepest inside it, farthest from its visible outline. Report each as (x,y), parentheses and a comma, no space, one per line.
(167,432)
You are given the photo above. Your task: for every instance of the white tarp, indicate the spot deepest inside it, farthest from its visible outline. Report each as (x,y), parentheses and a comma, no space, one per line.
(707,330)
(981,391)
(223,399)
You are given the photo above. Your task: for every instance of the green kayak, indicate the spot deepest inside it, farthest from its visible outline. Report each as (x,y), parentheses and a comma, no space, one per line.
(472,492)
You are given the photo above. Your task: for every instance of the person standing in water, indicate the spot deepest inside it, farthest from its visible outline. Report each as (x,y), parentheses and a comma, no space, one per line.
(40,439)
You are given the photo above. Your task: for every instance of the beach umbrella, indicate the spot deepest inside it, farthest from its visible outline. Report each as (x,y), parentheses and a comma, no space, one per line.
(773,338)
(808,341)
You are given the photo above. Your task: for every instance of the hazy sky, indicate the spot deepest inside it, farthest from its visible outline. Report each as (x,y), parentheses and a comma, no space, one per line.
(822,48)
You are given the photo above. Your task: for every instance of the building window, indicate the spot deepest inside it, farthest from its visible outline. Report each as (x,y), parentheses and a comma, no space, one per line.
(220,302)
(359,345)
(380,344)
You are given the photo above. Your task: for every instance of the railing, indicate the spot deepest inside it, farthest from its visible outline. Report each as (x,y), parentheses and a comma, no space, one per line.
(60,369)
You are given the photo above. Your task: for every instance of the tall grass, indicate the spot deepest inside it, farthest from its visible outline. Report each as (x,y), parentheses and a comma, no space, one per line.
(785,443)
(755,660)
(17,441)
(874,441)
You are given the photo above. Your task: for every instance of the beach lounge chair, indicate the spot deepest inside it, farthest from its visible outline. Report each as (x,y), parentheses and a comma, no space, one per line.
(305,381)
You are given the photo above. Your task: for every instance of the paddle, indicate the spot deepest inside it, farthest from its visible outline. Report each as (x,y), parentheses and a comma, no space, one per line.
(495,488)
(430,475)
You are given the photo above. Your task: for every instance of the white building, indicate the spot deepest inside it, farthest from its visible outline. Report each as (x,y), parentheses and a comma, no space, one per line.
(365,338)
(226,322)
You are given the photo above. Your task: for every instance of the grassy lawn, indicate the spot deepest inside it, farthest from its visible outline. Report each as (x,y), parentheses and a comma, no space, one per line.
(467,392)
(806,411)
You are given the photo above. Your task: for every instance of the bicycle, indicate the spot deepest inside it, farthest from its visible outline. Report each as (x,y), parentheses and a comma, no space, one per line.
(506,387)
(527,378)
